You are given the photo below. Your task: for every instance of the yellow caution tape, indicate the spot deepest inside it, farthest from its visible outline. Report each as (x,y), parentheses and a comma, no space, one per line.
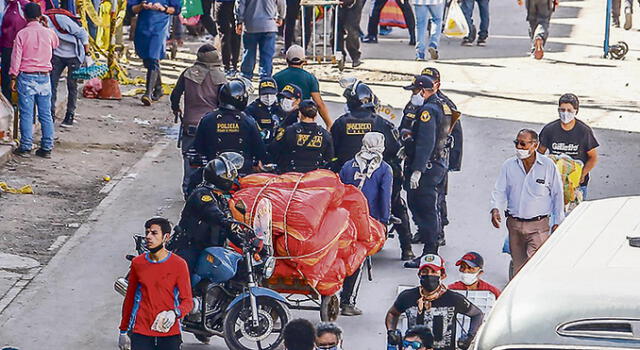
(26,189)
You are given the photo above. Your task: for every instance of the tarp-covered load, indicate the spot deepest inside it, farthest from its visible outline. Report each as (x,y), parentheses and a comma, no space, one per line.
(321,227)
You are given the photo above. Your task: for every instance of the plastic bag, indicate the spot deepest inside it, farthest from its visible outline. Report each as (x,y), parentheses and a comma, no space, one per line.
(191,8)
(191,21)
(456,24)
(391,15)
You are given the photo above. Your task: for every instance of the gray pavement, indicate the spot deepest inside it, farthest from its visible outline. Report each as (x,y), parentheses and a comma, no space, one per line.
(71,303)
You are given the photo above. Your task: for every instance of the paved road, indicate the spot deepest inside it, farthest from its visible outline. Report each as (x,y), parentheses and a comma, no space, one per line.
(72,305)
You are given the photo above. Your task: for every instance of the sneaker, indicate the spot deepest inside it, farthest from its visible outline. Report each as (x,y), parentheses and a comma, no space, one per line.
(349,310)
(413,264)
(22,153)
(616,22)
(434,53)
(420,57)
(370,40)
(538,51)
(482,42)
(43,153)
(627,18)
(412,42)
(407,254)
(357,63)
(67,122)
(467,42)
(385,30)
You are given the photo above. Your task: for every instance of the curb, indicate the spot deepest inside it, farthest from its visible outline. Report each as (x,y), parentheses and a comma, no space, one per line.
(61,103)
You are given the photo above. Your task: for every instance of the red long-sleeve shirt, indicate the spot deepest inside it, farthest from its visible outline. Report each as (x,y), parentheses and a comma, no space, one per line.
(156,286)
(482,285)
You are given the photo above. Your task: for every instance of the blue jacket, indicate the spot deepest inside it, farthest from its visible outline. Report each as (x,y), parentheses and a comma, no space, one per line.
(377,188)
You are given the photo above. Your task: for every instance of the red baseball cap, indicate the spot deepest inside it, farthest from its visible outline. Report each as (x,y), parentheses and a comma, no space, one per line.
(472,259)
(433,261)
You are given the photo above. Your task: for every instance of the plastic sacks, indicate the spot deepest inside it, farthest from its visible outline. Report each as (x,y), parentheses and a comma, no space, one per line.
(456,23)
(92,88)
(328,228)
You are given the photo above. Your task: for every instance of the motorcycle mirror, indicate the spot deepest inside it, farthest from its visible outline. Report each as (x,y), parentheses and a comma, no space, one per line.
(241,207)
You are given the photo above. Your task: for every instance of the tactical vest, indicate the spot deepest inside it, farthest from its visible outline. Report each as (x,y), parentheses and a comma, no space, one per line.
(268,119)
(441,150)
(351,140)
(307,145)
(229,136)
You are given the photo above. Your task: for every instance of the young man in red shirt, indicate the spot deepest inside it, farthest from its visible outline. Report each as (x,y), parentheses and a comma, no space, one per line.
(471,265)
(159,294)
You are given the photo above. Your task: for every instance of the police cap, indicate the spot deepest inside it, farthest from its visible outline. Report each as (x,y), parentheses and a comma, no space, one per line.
(308,108)
(420,82)
(432,73)
(291,91)
(267,86)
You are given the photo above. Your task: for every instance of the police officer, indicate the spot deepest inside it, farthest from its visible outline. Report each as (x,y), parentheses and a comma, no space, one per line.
(205,220)
(266,110)
(290,97)
(229,129)
(347,133)
(454,144)
(349,129)
(426,163)
(305,145)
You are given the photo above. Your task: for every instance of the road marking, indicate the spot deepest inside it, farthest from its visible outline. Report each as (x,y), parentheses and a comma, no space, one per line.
(57,243)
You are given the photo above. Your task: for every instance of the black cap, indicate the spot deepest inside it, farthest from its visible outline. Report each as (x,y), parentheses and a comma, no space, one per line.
(291,91)
(431,73)
(267,86)
(472,259)
(308,108)
(32,10)
(420,82)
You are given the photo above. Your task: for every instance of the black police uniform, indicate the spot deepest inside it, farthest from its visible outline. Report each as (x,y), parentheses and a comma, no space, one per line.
(204,222)
(225,130)
(349,129)
(268,118)
(302,147)
(428,153)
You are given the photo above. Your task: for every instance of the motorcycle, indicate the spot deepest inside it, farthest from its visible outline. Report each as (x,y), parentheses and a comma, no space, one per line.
(228,301)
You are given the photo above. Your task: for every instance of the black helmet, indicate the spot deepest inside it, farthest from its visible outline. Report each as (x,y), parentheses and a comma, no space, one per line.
(223,170)
(360,96)
(233,95)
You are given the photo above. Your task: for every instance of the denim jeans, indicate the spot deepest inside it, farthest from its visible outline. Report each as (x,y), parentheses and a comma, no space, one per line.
(35,89)
(267,45)
(483,8)
(59,64)
(423,14)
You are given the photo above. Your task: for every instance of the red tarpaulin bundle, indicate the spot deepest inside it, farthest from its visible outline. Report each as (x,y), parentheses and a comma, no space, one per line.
(328,228)
(391,15)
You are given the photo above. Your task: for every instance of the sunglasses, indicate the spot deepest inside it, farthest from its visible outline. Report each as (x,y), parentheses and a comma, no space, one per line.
(522,143)
(411,344)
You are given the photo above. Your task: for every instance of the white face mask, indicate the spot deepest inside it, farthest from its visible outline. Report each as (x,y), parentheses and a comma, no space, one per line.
(417,99)
(468,278)
(567,117)
(522,153)
(268,100)
(287,104)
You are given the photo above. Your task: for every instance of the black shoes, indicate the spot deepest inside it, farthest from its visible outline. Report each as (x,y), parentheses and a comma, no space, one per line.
(349,310)
(22,153)
(68,121)
(357,63)
(482,42)
(43,154)
(407,254)
(370,39)
(467,42)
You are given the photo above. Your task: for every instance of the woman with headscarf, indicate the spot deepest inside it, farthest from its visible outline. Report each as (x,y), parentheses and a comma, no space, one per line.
(374,177)
(152,32)
(200,84)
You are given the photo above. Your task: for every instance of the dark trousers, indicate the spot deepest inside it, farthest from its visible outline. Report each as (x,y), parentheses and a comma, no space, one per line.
(348,287)
(483,8)
(539,15)
(206,19)
(399,210)
(423,203)
(230,41)
(349,30)
(59,64)
(407,12)
(6,78)
(151,64)
(442,189)
(293,11)
(615,9)
(144,342)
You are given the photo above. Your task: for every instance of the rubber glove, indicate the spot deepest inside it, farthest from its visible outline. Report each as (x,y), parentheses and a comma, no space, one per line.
(124,343)
(169,320)
(414,181)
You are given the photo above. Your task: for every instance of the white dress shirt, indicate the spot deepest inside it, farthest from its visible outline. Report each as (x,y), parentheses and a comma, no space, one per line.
(527,195)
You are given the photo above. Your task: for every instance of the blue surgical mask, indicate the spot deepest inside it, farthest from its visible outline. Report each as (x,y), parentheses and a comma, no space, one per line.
(417,99)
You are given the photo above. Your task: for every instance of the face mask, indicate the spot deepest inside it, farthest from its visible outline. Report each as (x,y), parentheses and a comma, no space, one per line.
(330,347)
(567,117)
(522,153)
(417,99)
(156,249)
(468,278)
(287,105)
(268,99)
(430,283)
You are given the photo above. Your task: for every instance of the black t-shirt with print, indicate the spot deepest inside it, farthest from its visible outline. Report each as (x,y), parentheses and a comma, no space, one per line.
(440,318)
(575,143)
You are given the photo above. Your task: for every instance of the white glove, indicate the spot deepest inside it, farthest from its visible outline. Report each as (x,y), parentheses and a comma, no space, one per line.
(164,321)
(124,343)
(414,181)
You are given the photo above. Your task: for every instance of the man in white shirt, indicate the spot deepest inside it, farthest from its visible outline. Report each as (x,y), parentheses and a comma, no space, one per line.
(529,189)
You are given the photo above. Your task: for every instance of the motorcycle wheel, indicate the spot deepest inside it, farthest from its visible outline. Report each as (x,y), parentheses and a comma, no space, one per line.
(240,334)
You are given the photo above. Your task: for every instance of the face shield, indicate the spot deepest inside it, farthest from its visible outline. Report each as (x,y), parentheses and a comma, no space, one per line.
(232,162)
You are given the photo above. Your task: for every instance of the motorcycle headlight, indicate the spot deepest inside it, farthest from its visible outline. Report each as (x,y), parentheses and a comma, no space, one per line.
(269,267)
